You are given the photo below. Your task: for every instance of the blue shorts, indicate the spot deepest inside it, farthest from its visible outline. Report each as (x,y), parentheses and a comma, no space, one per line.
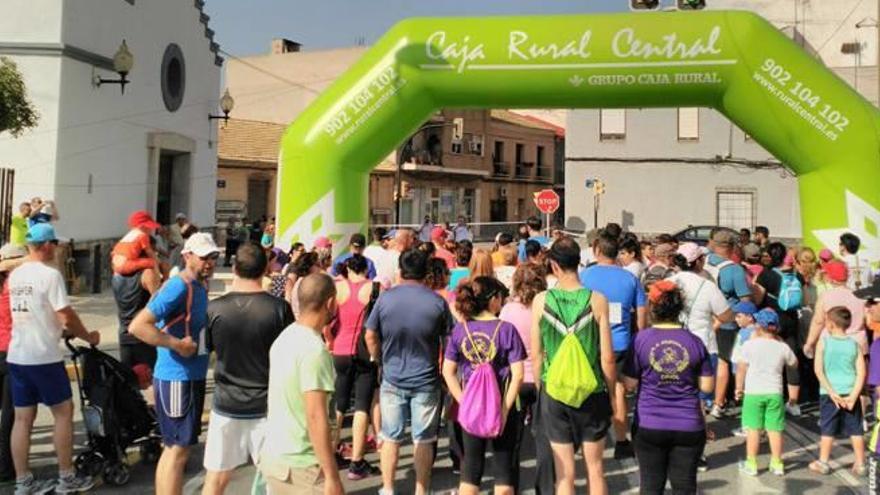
(36,383)
(421,407)
(179,406)
(835,422)
(709,398)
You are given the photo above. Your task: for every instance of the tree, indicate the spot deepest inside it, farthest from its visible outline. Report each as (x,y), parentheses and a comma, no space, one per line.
(17,113)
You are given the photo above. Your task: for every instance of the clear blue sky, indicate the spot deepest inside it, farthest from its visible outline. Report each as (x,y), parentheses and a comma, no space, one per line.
(245,27)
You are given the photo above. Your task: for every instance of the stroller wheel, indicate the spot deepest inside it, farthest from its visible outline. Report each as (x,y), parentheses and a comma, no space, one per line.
(89,463)
(117,475)
(150,451)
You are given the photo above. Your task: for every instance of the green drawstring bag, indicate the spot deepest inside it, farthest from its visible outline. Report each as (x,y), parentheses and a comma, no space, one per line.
(570,378)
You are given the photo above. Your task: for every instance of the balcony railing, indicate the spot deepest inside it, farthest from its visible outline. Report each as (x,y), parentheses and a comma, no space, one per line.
(544,173)
(524,170)
(501,169)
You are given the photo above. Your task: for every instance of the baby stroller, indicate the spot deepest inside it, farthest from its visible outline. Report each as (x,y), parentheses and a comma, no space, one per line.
(115,415)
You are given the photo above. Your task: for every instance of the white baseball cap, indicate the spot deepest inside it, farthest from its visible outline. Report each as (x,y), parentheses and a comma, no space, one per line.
(200,244)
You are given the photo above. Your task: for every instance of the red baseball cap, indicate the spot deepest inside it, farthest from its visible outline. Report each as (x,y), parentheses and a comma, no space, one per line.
(438,234)
(836,270)
(142,218)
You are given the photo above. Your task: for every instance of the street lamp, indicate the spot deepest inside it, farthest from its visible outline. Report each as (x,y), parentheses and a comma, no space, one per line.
(227,103)
(123,61)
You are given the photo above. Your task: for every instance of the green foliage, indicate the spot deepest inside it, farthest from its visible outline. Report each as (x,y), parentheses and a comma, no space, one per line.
(17,113)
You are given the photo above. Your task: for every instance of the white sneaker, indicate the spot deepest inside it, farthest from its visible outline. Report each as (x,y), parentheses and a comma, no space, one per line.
(793,409)
(717,411)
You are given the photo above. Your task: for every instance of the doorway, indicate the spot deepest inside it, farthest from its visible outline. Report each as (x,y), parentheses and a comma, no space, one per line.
(257,198)
(172,191)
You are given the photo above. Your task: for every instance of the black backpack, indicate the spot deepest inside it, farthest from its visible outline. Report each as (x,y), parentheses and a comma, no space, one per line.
(362,354)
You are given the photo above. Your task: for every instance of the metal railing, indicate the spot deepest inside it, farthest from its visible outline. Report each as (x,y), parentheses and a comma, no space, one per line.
(501,169)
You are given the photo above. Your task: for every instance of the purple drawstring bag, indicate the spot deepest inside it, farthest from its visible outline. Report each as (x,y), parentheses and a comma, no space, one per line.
(479,412)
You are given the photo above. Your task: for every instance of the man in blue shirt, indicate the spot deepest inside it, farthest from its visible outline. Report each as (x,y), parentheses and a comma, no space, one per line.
(356,245)
(174,321)
(625,297)
(536,234)
(731,279)
(404,332)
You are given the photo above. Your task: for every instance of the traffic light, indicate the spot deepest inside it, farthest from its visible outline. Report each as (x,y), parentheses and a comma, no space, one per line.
(457,128)
(644,4)
(691,4)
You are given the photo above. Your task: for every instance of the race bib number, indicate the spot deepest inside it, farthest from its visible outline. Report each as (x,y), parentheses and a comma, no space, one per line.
(615,313)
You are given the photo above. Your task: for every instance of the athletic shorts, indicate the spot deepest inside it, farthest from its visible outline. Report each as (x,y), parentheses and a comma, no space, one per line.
(39,383)
(574,426)
(179,406)
(836,422)
(350,376)
(726,339)
(233,442)
(763,412)
(710,397)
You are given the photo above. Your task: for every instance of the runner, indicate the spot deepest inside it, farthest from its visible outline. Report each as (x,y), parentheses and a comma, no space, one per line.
(731,279)
(354,373)
(703,305)
(174,322)
(242,325)
(859,267)
(482,338)
(438,237)
(535,233)
(772,281)
(40,312)
(528,283)
(626,299)
(297,456)
(356,245)
(585,314)
(11,257)
(404,333)
(669,368)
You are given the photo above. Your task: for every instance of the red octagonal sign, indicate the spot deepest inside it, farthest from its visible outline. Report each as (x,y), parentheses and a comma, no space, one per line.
(547,201)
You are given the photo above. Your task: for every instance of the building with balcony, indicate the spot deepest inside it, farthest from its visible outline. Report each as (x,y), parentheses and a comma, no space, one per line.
(488,174)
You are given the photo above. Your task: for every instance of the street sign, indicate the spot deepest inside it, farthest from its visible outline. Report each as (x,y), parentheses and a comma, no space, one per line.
(547,201)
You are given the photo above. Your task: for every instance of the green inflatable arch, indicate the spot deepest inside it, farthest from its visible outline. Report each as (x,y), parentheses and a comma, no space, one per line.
(735,62)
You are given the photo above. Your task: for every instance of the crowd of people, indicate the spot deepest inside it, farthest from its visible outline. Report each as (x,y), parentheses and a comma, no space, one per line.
(538,339)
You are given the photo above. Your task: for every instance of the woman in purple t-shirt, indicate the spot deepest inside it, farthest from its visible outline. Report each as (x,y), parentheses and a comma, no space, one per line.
(479,302)
(669,366)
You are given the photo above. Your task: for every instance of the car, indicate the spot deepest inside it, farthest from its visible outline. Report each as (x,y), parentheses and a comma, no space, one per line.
(700,234)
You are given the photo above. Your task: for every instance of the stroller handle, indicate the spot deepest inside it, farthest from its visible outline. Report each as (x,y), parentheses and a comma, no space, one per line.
(68,342)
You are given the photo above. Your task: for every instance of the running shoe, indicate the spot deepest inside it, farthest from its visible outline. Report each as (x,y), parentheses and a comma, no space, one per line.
(33,486)
(777,467)
(717,411)
(623,450)
(74,484)
(859,470)
(749,467)
(739,432)
(361,469)
(820,467)
(793,409)
(703,464)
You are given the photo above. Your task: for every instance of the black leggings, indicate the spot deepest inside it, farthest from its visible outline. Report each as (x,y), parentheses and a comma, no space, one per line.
(350,375)
(7,415)
(505,454)
(671,455)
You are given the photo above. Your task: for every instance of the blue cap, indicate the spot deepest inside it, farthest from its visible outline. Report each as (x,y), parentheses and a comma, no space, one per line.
(745,307)
(40,233)
(767,318)
(391,234)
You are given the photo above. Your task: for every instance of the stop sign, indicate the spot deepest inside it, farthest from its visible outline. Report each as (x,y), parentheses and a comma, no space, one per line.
(547,201)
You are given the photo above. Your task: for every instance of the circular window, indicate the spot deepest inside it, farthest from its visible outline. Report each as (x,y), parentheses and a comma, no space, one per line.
(173,77)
